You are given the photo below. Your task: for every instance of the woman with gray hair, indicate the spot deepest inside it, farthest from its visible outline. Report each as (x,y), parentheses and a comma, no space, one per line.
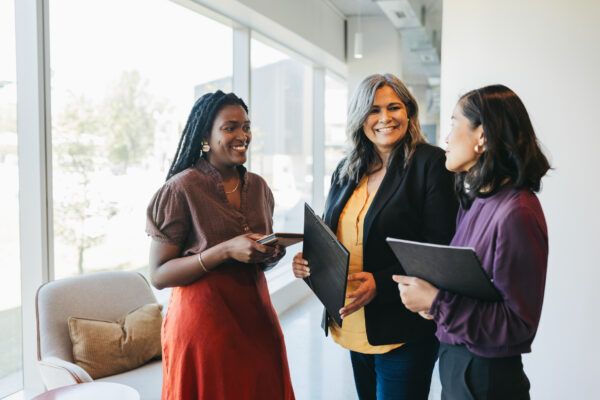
(392,183)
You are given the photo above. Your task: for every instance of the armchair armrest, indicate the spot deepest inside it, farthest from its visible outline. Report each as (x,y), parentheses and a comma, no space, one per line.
(57,372)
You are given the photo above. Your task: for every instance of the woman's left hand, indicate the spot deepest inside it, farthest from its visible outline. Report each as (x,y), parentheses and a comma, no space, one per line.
(425,314)
(365,293)
(416,294)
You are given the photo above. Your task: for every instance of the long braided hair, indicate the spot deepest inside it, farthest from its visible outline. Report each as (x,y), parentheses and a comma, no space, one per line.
(198,127)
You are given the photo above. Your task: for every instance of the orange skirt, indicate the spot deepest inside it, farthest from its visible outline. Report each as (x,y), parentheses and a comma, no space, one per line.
(221,339)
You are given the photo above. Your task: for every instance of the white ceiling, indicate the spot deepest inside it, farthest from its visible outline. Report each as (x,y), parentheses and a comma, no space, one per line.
(419,22)
(352,8)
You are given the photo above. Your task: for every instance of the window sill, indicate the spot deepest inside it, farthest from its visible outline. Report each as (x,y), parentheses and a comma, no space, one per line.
(285,289)
(20,395)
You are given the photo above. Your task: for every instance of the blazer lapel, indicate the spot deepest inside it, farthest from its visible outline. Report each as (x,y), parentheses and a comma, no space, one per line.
(389,185)
(332,216)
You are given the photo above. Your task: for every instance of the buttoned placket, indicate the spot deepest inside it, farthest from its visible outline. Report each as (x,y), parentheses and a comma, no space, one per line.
(241,213)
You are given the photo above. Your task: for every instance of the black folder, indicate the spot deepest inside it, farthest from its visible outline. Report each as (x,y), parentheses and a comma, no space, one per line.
(328,262)
(455,269)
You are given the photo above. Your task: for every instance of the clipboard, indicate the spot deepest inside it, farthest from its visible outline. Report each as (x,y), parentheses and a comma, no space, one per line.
(328,261)
(455,269)
(282,239)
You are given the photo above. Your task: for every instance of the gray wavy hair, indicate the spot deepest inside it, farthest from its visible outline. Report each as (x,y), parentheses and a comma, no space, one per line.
(362,153)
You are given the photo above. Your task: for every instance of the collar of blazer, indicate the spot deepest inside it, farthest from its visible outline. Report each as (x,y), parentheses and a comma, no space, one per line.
(341,192)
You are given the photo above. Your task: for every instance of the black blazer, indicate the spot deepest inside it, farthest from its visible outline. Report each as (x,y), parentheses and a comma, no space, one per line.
(413,203)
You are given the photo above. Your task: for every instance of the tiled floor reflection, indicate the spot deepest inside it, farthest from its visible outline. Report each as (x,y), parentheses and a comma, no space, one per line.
(320,368)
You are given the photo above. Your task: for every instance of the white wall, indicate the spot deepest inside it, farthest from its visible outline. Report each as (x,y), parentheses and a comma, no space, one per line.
(382,50)
(548,52)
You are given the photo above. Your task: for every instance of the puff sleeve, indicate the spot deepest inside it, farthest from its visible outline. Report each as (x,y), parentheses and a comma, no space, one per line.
(519,271)
(168,216)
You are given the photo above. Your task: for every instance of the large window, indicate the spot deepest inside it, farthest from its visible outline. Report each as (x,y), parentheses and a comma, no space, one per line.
(125,75)
(11,364)
(336,99)
(281,149)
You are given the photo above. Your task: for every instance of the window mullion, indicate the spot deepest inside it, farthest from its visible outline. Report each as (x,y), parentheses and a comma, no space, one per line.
(318,140)
(31,26)
(241,67)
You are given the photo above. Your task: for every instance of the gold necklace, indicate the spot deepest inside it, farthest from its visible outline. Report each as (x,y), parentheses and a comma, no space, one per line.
(234,189)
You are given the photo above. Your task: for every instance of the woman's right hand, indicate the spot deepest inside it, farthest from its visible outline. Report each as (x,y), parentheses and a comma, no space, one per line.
(246,249)
(300,266)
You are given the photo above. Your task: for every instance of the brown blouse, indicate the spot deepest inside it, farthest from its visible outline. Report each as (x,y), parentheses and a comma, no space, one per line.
(191,209)
(220,337)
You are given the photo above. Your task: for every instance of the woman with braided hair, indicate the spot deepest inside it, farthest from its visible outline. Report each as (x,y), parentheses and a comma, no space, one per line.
(220,338)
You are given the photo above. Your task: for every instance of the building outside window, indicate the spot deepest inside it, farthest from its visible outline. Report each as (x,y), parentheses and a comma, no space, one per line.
(281,149)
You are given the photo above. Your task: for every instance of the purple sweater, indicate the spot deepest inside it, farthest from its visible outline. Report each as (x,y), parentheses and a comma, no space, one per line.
(508,232)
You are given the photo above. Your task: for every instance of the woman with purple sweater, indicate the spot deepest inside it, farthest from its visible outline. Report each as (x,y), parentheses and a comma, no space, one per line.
(493,148)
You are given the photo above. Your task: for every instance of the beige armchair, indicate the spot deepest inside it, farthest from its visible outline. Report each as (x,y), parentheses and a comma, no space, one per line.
(103,296)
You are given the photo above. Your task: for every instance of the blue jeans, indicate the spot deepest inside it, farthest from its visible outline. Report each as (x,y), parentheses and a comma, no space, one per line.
(401,374)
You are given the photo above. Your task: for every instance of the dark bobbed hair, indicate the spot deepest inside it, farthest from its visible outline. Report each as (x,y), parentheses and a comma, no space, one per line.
(198,127)
(511,150)
(363,153)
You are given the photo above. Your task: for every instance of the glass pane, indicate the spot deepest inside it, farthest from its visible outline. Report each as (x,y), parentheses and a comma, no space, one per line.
(281,149)
(125,75)
(11,361)
(336,98)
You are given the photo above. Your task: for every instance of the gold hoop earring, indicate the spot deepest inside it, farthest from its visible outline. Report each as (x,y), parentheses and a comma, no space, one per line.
(205,148)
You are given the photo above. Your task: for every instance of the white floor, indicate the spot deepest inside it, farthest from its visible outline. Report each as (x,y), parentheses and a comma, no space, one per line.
(320,368)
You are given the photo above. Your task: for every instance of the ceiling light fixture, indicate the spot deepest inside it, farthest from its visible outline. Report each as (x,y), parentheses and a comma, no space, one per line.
(358,45)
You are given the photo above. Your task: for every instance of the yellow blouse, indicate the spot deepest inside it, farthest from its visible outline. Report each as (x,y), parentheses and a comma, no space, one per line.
(353,334)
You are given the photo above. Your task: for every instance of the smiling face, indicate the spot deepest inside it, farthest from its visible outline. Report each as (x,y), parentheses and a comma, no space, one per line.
(387,121)
(461,155)
(229,138)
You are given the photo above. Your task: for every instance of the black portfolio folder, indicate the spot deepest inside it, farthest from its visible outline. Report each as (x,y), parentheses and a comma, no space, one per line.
(455,269)
(328,263)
